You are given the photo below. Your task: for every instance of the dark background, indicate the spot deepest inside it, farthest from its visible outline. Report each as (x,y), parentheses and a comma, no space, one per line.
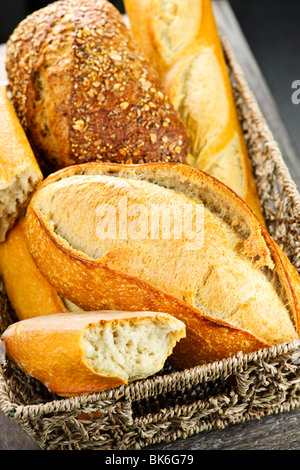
(271,27)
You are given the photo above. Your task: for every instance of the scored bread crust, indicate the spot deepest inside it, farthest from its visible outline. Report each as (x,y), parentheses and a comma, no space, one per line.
(109,282)
(84,92)
(51,348)
(20,174)
(181,39)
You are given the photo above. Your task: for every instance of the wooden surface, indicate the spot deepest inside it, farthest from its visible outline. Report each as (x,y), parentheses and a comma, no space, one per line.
(275,432)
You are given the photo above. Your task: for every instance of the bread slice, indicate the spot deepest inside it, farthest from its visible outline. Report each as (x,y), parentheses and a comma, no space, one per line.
(79,353)
(19,171)
(226,279)
(181,40)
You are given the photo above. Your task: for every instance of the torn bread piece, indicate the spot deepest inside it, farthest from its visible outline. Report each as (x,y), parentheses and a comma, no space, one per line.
(80,353)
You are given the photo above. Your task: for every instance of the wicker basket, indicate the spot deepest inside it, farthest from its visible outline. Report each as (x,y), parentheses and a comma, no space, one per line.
(177,404)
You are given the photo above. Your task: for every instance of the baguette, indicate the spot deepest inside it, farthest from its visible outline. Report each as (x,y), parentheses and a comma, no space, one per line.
(19,171)
(80,353)
(29,293)
(181,40)
(84,92)
(226,279)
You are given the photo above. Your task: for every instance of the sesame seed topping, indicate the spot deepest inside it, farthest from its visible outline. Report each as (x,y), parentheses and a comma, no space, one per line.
(115,105)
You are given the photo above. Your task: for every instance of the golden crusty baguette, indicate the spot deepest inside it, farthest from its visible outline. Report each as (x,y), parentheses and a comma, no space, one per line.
(84,92)
(79,353)
(29,293)
(181,40)
(235,290)
(19,171)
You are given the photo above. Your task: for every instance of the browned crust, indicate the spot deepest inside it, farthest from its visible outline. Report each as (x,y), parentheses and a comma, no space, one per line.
(151,39)
(288,277)
(208,339)
(22,51)
(17,164)
(117,109)
(35,345)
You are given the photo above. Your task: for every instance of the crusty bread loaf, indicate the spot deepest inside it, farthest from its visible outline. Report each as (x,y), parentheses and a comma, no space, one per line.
(224,277)
(84,92)
(19,171)
(79,353)
(181,40)
(29,292)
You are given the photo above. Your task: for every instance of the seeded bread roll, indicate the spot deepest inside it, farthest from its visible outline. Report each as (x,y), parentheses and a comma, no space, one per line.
(80,353)
(19,172)
(181,39)
(165,237)
(83,92)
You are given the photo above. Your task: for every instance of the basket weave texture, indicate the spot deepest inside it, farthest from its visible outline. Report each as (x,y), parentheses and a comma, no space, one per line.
(178,404)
